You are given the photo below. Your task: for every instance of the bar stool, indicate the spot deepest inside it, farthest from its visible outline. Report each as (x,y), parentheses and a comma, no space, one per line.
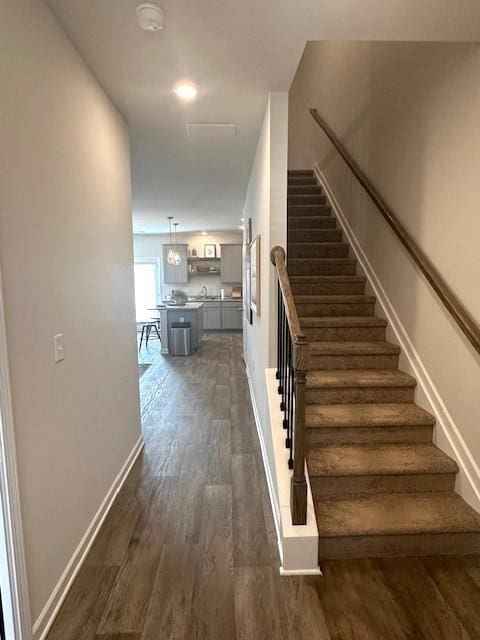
(147,327)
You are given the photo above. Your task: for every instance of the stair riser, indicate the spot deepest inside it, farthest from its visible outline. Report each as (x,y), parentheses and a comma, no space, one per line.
(413,483)
(315,210)
(308,199)
(322,269)
(305,309)
(353,334)
(368,435)
(360,395)
(332,363)
(314,235)
(325,288)
(311,222)
(304,190)
(295,181)
(398,546)
(293,173)
(318,251)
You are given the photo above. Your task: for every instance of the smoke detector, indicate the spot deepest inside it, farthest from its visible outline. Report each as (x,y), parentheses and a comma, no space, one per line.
(150,17)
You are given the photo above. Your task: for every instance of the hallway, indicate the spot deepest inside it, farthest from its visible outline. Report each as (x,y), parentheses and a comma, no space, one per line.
(189,550)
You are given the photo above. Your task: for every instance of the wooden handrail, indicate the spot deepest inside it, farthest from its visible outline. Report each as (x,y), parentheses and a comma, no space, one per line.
(301,347)
(457,310)
(277,256)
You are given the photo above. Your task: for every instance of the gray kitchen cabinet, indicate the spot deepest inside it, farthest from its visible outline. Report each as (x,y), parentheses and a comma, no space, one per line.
(232,317)
(212,317)
(231,263)
(175,274)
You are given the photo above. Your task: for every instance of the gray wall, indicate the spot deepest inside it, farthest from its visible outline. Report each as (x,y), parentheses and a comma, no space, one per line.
(66,260)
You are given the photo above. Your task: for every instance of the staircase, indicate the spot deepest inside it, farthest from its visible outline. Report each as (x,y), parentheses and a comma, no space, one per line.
(380,486)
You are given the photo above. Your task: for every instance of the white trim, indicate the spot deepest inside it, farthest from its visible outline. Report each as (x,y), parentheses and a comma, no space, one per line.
(268,474)
(297,545)
(447,434)
(13,583)
(46,618)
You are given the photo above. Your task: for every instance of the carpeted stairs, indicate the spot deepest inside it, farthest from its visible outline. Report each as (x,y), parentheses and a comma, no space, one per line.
(380,486)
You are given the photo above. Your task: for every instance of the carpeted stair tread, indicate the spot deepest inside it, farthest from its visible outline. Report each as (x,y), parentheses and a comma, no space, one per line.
(302,209)
(304,189)
(395,514)
(334,298)
(342,321)
(380,378)
(321,260)
(325,279)
(331,348)
(366,415)
(378,459)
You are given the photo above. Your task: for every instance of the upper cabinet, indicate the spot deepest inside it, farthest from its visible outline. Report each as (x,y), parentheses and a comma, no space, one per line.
(231,263)
(175,274)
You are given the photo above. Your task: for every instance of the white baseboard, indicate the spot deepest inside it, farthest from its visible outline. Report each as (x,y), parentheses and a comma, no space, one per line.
(447,435)
(45,620)
(297,545)
(268,473)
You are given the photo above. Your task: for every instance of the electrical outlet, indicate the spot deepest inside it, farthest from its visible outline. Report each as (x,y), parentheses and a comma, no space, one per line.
(59,348)
(182,319)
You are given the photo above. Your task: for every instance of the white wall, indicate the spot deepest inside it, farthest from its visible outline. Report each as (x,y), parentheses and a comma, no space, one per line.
(150,246)
(408,113)
(265,204)
(66,261)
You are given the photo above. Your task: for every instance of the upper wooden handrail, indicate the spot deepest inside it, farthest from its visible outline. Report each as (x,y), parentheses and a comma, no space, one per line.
(277,256)
(459,313)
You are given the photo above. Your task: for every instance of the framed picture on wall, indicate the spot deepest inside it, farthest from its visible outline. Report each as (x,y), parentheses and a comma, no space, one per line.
(255,275)
(210,251)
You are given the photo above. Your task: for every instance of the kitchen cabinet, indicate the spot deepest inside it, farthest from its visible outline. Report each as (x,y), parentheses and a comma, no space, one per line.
(212,318)
(232,317)
(175,274)
(231,263)
(222,315)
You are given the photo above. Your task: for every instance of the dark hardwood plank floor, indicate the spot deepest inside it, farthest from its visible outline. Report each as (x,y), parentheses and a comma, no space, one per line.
(188,550)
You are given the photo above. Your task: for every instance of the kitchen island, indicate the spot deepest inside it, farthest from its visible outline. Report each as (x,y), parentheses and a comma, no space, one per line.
(191,312)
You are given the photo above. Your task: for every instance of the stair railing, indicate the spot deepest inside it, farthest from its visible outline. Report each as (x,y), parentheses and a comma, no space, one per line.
(292,359)
(459,313)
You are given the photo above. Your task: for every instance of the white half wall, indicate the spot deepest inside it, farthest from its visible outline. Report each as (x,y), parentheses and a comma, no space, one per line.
(67,266)
(265,205)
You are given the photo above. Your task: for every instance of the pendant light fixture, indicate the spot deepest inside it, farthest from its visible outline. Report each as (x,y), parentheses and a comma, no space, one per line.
(171,252)
(177,258)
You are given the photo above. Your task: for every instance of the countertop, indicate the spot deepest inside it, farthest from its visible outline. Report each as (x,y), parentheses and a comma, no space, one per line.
(189,306)
(218,299)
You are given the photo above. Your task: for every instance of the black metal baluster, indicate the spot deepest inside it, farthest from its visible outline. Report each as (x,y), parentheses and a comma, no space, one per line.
(284,369)
(292,402)
(286,417)
(287,390)
(280,341)
(279,321)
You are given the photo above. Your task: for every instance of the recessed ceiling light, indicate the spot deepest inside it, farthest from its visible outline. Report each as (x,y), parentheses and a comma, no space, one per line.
(242,219)
(204,233)
(150,17)
(240,226)
(186,90)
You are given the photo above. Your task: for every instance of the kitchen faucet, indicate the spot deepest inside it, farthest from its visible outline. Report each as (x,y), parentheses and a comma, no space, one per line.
(203,293)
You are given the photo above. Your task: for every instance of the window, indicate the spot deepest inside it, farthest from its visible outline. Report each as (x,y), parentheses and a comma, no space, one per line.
(146,287)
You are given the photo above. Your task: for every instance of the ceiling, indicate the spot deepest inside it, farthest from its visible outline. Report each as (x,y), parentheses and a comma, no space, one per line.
(236,52)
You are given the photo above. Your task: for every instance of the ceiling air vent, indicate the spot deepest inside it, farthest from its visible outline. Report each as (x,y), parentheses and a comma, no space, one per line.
(211,130)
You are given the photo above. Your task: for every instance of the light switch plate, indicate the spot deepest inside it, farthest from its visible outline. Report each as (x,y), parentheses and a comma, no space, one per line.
(59,347)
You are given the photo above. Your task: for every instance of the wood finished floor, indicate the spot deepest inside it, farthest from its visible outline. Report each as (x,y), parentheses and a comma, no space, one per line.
(188,550)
